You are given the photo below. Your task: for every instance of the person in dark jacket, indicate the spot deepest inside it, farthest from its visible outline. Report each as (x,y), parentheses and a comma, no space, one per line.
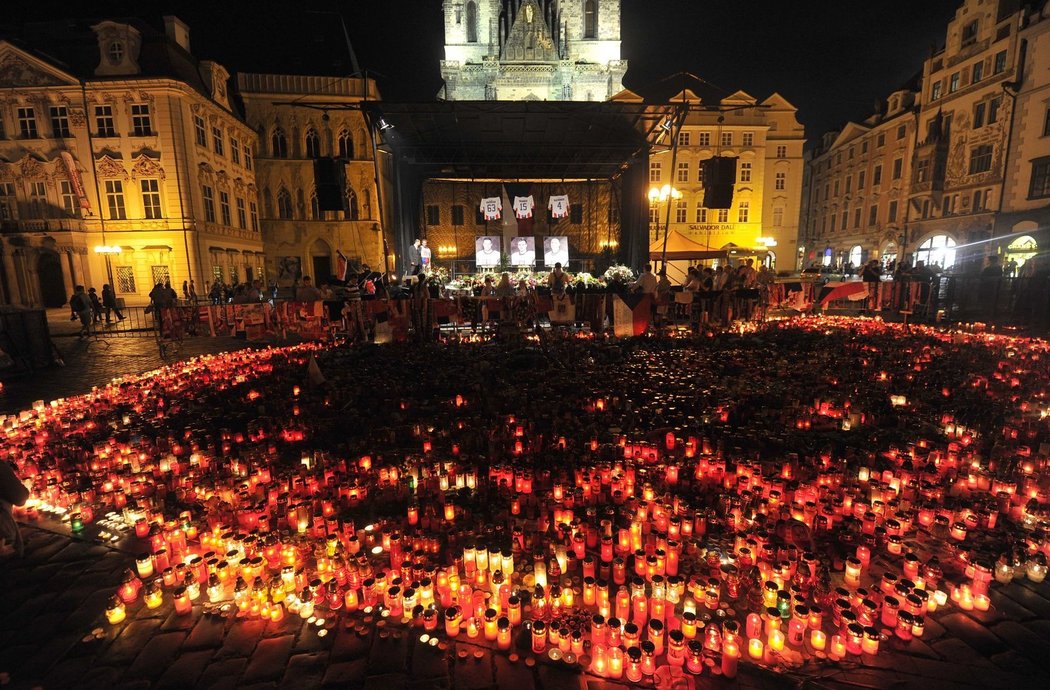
(109,303)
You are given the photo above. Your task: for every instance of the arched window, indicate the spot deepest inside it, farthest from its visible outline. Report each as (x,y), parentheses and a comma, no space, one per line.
(315,207)
(313,144)
(1021,249)
(590,19)
(939,250)
(284,204)
(472,22)
(856,255)
(346,145)
(278,144)
(352,211)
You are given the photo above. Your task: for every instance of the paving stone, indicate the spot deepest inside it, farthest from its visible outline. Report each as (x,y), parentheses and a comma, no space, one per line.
(175,621)
(513,675)
(67,672)
(130,640)
(304,671)
(101,677)
(1016,662)
(48,652)
(350,645)
(605,685)
(269,659)
(428,662)
(185,670)
(207,633)
(472,673)
(222,674)
(156,655)
(557,677)
(388,655)
(958,653)
(88,612)
(1008,607)
(308,640)
(387,681)
(242,638)
(1023,640)
(1030,600)
(973,634)
(345,674)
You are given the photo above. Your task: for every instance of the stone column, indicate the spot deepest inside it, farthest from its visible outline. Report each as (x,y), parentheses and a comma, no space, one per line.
(15,293)
(65,258)
(77,260)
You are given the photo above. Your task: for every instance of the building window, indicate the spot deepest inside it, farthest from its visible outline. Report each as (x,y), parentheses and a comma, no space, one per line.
(749,139)
(704,139)
(778,217)
(1000,63)
(140,120)
(978,114)
(352,212)
(346,145)
(727,138)
(26,123)
(922,170)
(160,274)
(253,212)
(655,171)
(433,215)
(969,34)
(880,140)
(654,213)
(60,122)
(458,214)
(242,217)
(873,215)
(782,152)
(723,215)
(315,207)
(125,279)
(683,172)
(224,207)
(701,212)
(209,204)
(576,214)
(935,92)
(745,172)
(978,71)
(891,215)
(7,201)
(845,218)
(199,132)
(781,181)
(70,203)
(104,121)
(939,250)
(313,144)
(980,159)
(898,168)
(681,211)
(856,217)
(1046,123)
(472,22)
(284,204)
(216,273)
(247,156)
(150,198)
(115,199)
(742,211)
(1039,187)
(216,135)
(115,52)
(876,176)
(851,152)
(684,138)
(836,188)
(953,83)
(590,19)
(993,109)
(849,183)
(278,144)
(864,147)
(860,179)
(235,151)
(38,200)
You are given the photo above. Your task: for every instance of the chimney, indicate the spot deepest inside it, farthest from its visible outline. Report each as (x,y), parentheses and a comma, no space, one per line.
(177,31)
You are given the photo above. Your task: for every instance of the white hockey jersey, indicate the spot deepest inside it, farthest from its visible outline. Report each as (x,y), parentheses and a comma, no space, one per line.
(559,206)
(491,208)
(523,206)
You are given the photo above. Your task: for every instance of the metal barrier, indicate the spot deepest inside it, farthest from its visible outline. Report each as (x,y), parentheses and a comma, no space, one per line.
(136,324)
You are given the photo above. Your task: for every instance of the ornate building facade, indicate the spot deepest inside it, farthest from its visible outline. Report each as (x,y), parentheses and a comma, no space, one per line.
(532,50)
(969,155)
(123,161)
(300,238)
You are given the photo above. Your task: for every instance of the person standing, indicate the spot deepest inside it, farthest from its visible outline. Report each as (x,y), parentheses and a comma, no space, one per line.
(646,282)
(109,303)
(871,274)
(424,257)
(186,290)
(96,306)
(193,292)
(80,304)
(415,258)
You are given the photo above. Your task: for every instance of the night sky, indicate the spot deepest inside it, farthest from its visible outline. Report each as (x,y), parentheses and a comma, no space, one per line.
(831,58)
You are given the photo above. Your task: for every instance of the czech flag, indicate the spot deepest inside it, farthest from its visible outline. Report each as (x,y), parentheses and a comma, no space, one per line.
(631,314)
(341,267)
(854,291)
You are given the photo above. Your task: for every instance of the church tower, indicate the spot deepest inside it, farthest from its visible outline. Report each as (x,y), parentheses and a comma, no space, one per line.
(532,50)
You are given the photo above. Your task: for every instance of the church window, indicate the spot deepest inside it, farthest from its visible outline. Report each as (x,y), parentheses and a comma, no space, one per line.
(313,144)
(278,144)
(472,22)
(346,145)
(352,210)
(284,204)
(590,19)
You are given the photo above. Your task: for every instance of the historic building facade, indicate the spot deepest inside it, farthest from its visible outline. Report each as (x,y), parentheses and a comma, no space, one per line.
(123,161)
(548,50)
(767,141)
(858,181)
(969,157)
(300,238)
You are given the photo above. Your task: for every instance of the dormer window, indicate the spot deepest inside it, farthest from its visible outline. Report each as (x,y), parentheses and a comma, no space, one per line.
(116,52)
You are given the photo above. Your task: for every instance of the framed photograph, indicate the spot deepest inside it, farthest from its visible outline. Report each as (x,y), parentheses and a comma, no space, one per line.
(556,251)
(289,268)
(487,251)
(523,251)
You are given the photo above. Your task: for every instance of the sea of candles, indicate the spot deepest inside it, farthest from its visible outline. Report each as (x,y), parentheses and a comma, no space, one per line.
(531,528)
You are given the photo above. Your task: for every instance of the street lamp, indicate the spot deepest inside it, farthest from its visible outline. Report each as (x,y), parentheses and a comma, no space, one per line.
(108,251)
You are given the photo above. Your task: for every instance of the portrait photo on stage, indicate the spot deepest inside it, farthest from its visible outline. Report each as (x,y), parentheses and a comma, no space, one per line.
(523,251)
(556,251)
(487,251)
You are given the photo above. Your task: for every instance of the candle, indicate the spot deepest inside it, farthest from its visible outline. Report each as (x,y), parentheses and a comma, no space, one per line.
(981,602)
(730,659)
(838,647)
(776,641)
(491,631)
(539,636)
(504,633)
(183,605)
(115,611)
(818,640)
(755,648)
(870,643)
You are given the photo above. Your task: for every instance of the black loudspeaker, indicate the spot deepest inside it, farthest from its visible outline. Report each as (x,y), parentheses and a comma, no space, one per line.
(330,181)
(719,178)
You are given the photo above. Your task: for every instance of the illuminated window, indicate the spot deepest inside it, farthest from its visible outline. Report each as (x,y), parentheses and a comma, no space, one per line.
(115,199)
(209,203)
(150,198)
(104,121)
(939,250)
(140,120)
(745,172)
(681,211)
(216,135)
(199,133)
(655,171)
(742,211)
(125,278)
(781,181)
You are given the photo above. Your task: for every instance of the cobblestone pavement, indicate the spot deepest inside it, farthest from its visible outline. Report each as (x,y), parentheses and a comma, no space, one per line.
(53,634)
